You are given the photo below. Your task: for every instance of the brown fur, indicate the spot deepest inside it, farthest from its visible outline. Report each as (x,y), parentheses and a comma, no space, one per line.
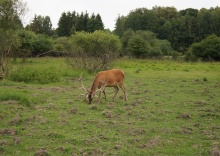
(113,78)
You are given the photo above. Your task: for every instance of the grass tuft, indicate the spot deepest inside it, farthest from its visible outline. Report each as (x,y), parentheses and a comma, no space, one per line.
(13,95)
(35,75)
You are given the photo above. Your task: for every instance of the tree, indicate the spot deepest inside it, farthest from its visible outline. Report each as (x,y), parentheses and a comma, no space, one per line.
(47,26)
(215,14)
(144,44)
(25,48)
(80,22)
(41,25)
(125,39)
(94,51)
(11,13)
(62,29)
(119,26)
(98,23)
(138,46)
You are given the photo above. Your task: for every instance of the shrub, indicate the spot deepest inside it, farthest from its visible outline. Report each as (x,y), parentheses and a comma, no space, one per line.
(26,42)
(175,55)
(29,75)
(208,49)
(144,44)
(41,44)
(61,44)
(94,51)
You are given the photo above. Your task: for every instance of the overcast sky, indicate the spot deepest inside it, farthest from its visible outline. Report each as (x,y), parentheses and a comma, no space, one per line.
(109,10)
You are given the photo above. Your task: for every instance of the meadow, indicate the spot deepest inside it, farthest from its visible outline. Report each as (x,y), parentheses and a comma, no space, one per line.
(173,108)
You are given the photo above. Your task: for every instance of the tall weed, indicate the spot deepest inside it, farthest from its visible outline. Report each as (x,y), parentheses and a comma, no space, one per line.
(35,75)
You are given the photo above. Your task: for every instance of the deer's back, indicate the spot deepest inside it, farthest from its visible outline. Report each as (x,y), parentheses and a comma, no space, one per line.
(112,77)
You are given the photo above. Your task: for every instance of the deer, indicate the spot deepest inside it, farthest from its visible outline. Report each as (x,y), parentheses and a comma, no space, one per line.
(108,78)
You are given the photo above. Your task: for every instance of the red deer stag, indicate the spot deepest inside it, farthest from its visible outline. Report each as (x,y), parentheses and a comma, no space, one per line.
(109,78)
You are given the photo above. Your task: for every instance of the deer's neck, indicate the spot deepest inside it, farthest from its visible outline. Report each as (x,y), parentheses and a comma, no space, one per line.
(94,85)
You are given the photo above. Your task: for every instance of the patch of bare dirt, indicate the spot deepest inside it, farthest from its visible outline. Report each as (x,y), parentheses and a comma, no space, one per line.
(215,150)
(41,152)
(184,116)
(15,120)
(9,102)
(10,131)
(92,152)
(107,114)
(3,142)
(153,142)
(73,111)
(17,141)
(201,103)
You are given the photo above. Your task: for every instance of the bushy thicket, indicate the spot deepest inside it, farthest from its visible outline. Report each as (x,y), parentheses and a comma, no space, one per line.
(142,44)
(207,50)
(32,44)
(94,51)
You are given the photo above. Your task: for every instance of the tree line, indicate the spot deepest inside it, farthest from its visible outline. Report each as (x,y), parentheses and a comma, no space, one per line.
(170,32)
(180,28)
(69,23)
(143,33)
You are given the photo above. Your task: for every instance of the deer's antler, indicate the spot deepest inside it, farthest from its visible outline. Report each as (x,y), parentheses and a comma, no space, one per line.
(82,85)
(104,84)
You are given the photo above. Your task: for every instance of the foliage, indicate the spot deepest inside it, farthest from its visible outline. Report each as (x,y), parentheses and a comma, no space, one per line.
(69,23)
(207,49)
(119,26)
(41,44)
(41,25)
(26,39)
(11,12)
(180,28)
(62,44)
(94,51)
(28,75)
(144,44)
(138,46)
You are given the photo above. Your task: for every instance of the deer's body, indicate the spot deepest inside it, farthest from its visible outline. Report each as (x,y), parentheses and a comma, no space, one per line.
(108,78)
(112,78)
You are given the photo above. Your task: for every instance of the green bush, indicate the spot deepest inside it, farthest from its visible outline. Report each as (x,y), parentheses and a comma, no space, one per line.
(41,44)
(208,49)
(29,75)
(144,44)
(26,42)
(94,51)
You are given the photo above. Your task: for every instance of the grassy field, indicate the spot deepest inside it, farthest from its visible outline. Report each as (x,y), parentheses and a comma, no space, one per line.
(173,109)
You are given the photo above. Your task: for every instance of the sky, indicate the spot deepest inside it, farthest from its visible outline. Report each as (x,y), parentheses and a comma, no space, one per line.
(109,10)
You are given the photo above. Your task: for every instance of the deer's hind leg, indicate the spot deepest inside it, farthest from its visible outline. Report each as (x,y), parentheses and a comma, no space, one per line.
(116,92)
(123,88)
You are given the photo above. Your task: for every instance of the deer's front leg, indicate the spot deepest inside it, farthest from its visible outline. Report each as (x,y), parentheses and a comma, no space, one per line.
(100,94)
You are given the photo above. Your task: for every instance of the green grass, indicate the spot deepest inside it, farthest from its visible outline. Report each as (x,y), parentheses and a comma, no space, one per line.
(173,109)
